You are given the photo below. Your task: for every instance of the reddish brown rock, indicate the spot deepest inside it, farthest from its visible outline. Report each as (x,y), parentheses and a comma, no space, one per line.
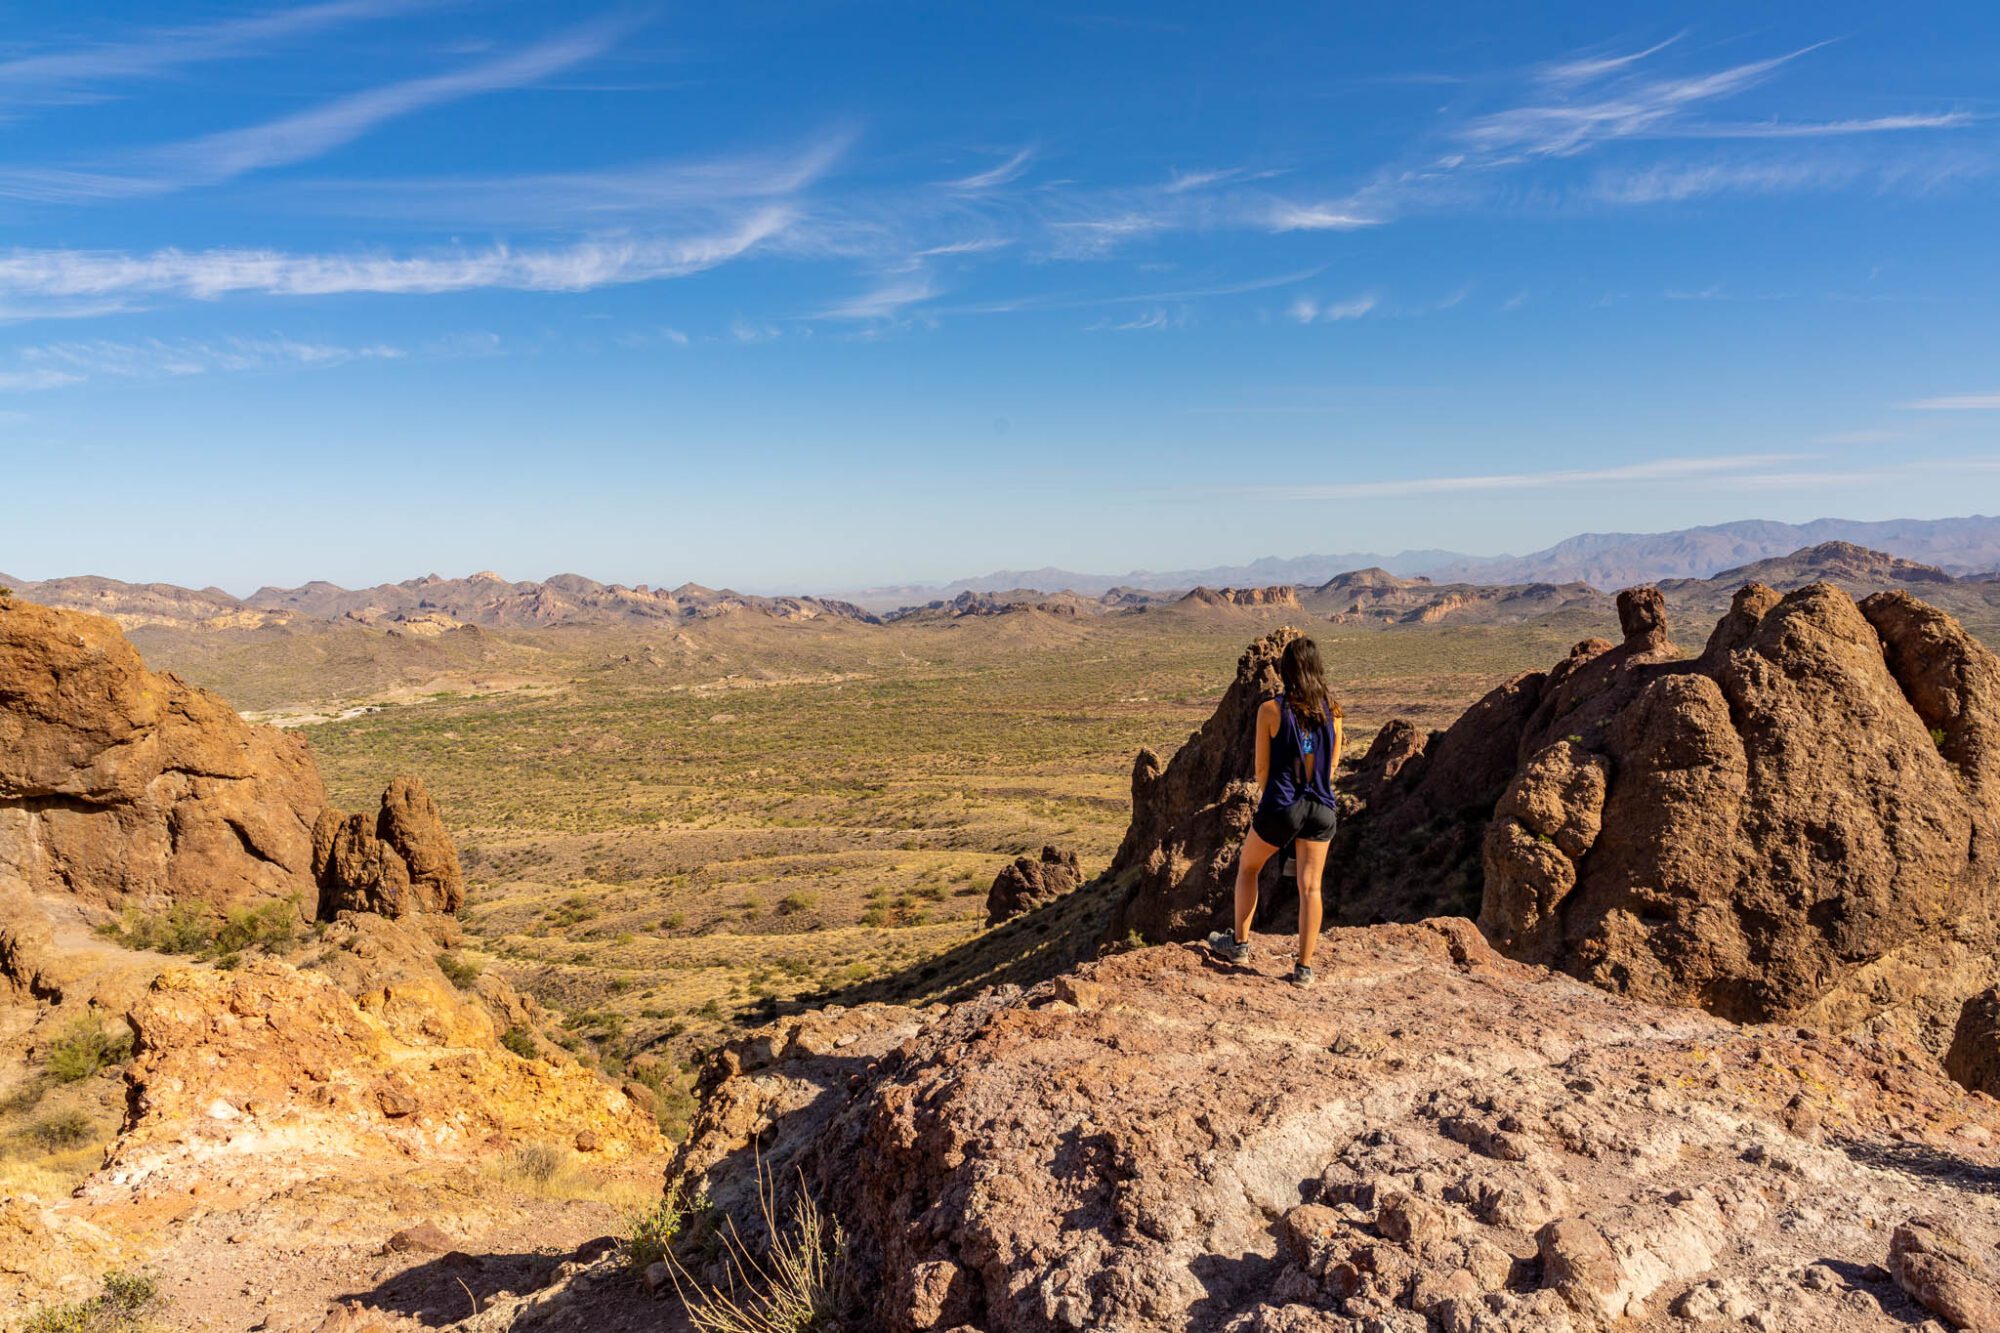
(1973,1058)
(1028,883)
(1188,818)
(400,862)
(1205,1149)
(124,787)
(1795,824)
(1941,1273)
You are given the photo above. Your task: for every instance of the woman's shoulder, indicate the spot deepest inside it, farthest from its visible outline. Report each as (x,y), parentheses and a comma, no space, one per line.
(1268,709)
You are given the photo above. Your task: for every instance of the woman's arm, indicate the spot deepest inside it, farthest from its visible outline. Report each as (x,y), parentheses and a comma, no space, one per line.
(1339,743)
(1267,727)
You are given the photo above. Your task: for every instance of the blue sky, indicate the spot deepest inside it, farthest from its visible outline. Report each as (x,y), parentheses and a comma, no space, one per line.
(825,294)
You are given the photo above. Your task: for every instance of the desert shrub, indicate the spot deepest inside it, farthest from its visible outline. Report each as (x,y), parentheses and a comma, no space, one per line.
(797,1285)
(650,1234)
(181,929)
(59,1131)
(673,921)
(184,929)
(269,927)
(520,1041)
(794,903)
(83,1049)
(120,1306)
(1937,737)
(458,971)
(536,1162)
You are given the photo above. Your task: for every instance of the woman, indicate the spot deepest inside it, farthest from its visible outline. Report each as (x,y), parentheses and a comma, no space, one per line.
(1298,749)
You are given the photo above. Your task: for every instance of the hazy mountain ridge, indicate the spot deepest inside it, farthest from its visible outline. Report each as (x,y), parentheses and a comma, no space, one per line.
(1605,560)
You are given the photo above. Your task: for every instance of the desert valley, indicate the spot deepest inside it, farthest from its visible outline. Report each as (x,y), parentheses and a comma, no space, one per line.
(676,922)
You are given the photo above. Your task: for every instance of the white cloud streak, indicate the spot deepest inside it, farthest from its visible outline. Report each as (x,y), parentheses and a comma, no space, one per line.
(1958,402)
(60,77)
(1663,469)
(208,274)
(62,364)
(1308,310)
(215,158)
(994,177)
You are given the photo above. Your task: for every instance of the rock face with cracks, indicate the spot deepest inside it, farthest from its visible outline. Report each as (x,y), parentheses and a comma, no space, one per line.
(123,787)
(1801,822)
(1435,1137)
(401,861)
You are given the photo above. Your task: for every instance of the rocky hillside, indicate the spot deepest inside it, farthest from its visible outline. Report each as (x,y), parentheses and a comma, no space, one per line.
(303,1071)
(1434,1138)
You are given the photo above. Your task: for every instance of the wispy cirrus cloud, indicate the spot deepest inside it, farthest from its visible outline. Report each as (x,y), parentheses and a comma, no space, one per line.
(994,177)
(208,274)
(1660,469)
(1957,402)
(79,74)
(883,302)
(62,364)
(648,191)
(1310,310)
(224,156)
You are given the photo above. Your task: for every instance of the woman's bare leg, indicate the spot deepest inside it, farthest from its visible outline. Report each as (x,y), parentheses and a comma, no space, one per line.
(1312,864)
(1249,864)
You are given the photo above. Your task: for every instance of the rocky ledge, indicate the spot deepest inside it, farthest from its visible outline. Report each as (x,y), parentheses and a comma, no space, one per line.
(1434,1137)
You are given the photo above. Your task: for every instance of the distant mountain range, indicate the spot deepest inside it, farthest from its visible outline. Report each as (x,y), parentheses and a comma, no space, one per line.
(1419,586)
(1606,560)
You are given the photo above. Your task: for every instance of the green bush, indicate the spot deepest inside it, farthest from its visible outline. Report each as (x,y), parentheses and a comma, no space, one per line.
(520,1041)
(794,903)
(64,1129)
(83,1049)
(271,927)
(184,929)
(119,1307)
(651,1233)
(458,971)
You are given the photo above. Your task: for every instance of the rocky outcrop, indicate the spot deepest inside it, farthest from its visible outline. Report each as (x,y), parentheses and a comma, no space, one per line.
(1029,882)
(1189,816)
(1434,1137)
(231,1064)
(1798,823)
(122,787)
(1279,595)
(401,861)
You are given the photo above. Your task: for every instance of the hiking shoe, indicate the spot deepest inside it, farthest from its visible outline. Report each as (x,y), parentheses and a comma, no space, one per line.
(1224,945)
(1302,976)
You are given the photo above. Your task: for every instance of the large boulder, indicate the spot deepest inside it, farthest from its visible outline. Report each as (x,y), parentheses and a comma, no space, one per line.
(123,787)
(1799,823)
(1028,882)
(1433,1137)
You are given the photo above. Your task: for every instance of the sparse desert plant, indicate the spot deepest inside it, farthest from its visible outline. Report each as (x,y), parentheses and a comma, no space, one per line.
(798,1284)
(119,1307)
(270,927)
(1937,737)
(458,971)
(520,1041)
(537,1163)
(60,1131)
(181,929)
(650,1234)
(83,1049)
(794,903)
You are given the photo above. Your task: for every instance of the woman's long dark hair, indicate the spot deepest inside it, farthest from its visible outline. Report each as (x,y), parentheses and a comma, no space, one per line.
(1306,690)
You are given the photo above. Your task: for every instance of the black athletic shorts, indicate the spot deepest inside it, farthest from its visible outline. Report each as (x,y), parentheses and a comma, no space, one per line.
(1304,820)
